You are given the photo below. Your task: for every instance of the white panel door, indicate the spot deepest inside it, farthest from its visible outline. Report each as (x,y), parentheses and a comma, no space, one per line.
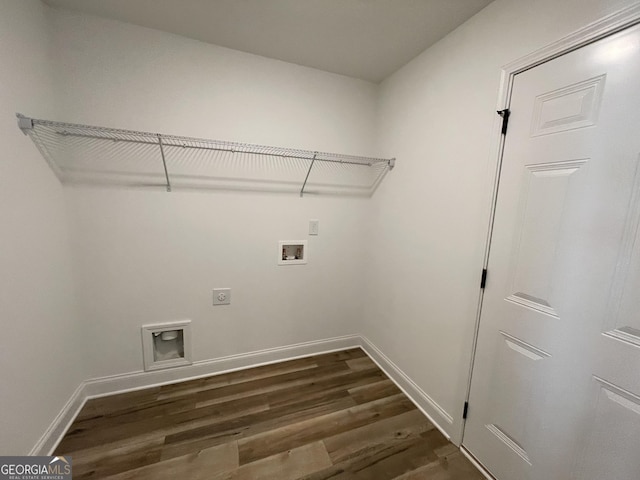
(555,391)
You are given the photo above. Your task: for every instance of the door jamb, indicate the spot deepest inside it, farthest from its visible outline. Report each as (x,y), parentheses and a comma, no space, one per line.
(592,32)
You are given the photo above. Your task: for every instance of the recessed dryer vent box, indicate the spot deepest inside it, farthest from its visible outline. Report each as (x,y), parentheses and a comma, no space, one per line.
(166,345)
(292,252)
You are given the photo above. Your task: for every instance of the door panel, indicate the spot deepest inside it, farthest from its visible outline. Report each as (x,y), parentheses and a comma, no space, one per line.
(573,106)
(539,236)
(614,439)
(555,390)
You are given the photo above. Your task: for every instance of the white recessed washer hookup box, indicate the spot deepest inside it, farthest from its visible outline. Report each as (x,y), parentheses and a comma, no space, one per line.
(166,345)
(292,252)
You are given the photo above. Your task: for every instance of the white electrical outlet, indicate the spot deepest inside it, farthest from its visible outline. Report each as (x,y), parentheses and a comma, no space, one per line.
(221,296)
(314,227)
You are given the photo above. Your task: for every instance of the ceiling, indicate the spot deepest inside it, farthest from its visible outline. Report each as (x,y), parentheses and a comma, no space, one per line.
(366,39)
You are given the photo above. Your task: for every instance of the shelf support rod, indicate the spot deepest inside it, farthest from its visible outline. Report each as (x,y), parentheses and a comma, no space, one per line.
(315,154)
(164,163)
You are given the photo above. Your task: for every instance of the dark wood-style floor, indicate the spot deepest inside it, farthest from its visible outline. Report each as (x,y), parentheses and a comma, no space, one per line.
(334,416)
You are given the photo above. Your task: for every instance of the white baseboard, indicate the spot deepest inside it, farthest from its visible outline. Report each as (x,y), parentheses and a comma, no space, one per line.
(427,405)
(128,382)
(52,436)
(99,387)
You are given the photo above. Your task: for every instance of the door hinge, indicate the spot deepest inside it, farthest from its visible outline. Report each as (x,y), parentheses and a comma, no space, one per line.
(465,410)
(483,280)
(505,119)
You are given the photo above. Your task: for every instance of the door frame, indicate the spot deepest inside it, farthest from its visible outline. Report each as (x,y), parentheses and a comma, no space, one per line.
(592,32)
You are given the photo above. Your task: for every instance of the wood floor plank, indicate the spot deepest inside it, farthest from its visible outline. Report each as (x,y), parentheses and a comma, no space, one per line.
(115,433)
(81,437)
(369,438)
(361,363)
(195,437)
(104,467)
(233,378)
(107,452)
(271,384)
(324,386)
(331,416)
(386,462)
(92,463)
(454,467)
(288,465)
(201,465)
(124,401)
(291,436)
(244,427)
(342,355)
(88,412)
(399,458)
(159,408)
(371,391)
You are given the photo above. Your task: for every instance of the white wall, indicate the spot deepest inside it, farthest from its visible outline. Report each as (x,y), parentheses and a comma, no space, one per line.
(148,256)
(41,352)
(436,115)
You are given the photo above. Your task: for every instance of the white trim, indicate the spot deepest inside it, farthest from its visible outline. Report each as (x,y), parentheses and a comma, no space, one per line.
(477,464)
(590,33)
(129,382)
(52,436)
(427,405)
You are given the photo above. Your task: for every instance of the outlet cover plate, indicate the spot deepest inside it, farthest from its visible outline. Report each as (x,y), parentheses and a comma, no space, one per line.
(221,296)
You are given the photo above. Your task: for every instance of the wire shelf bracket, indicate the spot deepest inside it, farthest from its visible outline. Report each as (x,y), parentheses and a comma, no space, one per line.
(107,156)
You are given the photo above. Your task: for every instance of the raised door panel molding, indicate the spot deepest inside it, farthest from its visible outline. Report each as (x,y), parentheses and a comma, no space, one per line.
(546,188)
(613,440)
(568,108)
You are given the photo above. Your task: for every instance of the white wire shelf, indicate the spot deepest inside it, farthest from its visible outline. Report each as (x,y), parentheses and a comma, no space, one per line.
(97,155)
